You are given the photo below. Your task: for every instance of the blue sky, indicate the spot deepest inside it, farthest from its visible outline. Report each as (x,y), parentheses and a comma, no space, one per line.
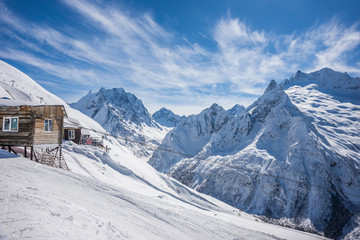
(184,55)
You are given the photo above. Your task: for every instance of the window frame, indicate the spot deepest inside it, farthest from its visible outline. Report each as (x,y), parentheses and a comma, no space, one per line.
(10,130)
(72,135)
(52,125)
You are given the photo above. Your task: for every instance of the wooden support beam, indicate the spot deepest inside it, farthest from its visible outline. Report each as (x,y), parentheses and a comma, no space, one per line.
(36,159)
(25,152)
(12,150)
(60,152)
(31,152)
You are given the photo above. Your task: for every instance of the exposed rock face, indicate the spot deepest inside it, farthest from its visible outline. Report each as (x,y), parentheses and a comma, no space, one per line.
(236,110)
(166,118)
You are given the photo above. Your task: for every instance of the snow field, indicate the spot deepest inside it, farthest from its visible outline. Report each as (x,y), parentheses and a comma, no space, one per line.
(42,202)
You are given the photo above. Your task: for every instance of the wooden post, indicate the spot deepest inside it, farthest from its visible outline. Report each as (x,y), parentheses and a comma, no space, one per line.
(25,152)
(60,152)
(12,150)
(31,152)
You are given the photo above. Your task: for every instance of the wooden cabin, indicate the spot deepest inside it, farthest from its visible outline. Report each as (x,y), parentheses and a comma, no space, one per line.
(25,125)
(72,130)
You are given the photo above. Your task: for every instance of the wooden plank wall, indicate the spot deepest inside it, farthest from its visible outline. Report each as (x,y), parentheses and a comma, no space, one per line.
(55,113)
(25,134)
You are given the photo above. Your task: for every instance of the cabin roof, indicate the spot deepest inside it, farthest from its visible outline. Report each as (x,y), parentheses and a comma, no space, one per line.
(71,123)
(15,103)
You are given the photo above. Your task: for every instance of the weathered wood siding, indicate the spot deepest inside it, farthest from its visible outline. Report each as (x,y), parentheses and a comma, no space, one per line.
(31,129)
(48,112)
(25,134)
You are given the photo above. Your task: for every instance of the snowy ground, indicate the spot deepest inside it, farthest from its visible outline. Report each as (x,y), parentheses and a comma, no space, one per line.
(102,199)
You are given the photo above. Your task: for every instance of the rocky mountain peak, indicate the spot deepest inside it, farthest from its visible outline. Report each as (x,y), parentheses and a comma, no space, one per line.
(166,117)
(119,112)
(326,80)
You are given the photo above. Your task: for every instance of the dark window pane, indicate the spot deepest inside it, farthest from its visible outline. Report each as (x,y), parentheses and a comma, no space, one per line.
(48,125)
(7,124)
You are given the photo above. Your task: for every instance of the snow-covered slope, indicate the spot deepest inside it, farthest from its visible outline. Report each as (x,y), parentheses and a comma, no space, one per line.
(273,162)
(123,115)
(41,202)
(166,118)
(332,106)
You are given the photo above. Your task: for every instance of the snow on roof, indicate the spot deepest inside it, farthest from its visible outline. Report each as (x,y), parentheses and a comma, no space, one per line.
(85,132)
(13,103)
(71,123)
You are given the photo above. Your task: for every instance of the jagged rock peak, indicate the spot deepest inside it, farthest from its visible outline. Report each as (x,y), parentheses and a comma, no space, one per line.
(214,107)
(118,95)
(272,85)
(272,93)
(321,74)
(236,110)
(116,110)
(326,80)
(166,117)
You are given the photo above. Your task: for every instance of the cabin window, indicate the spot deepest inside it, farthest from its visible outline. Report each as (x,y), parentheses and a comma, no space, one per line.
(71,134)
(48,125)
(10,124)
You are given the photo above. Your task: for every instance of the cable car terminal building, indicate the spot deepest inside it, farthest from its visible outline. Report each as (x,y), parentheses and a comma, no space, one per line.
(25,125)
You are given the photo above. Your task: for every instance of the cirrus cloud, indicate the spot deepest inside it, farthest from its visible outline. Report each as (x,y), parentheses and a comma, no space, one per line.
(131,50)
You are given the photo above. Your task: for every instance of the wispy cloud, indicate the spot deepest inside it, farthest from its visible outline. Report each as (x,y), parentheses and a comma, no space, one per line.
(133,51)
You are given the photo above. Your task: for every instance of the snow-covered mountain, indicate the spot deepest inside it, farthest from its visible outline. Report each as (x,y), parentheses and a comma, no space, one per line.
(333,107)
(236,110)
(166,118)
(123,115)
(328,81)
(115,195)
(277,159)
(189,137)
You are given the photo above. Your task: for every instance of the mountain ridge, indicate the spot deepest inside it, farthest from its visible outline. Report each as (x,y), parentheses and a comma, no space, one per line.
(166,117)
